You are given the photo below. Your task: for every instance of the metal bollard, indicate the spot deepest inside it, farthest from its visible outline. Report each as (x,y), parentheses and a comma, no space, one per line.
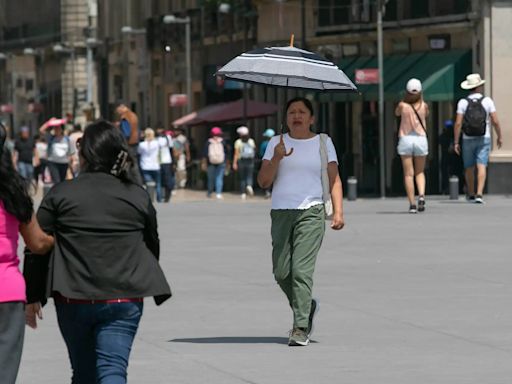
(46,188)
(151,188)
(454,187)
(352,188)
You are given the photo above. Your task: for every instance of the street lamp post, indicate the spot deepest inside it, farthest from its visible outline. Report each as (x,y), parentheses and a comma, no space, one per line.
(171,19)
(380,59)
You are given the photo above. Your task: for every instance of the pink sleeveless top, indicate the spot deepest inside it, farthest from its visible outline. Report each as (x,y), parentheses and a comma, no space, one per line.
(12,284)
(409,123)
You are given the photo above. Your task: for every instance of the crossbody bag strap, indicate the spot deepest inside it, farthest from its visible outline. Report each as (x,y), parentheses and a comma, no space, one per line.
(419,118)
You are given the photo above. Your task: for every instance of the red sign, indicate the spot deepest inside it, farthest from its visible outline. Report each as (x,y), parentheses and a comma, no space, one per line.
(6,108)
(178,100)
(367,76)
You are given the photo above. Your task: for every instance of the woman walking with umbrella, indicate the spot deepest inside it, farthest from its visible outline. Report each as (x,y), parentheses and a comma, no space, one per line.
(298,214)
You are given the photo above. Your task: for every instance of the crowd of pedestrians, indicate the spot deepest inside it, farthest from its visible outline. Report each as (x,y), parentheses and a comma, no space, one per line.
(94,240)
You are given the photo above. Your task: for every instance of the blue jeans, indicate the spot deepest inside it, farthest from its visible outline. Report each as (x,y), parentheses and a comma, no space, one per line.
(99,338)
(26,170)
(216,177)
(153,176)
(246,173)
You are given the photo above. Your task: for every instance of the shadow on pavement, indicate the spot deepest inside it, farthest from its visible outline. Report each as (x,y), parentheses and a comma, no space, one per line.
(233,340)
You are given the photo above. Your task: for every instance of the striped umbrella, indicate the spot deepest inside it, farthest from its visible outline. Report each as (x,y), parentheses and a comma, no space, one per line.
(287,67)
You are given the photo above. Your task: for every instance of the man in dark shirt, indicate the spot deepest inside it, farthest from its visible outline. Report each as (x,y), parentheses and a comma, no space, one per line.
(25,154)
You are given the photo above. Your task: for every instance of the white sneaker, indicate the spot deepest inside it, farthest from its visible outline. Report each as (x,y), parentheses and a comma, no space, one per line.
(243,196)
(249,190)
(219,196)
(479,199)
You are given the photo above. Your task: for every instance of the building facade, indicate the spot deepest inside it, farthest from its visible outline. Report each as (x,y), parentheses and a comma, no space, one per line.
(437,41)
(43,59)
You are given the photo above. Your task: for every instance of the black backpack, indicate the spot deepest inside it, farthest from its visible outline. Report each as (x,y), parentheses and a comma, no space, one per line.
(474,122)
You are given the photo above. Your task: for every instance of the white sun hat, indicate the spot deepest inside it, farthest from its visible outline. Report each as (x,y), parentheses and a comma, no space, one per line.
(413,86)
(472,81)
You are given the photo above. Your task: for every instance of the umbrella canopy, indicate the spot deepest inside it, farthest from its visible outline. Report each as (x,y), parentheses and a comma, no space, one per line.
(287,67)
(224,112)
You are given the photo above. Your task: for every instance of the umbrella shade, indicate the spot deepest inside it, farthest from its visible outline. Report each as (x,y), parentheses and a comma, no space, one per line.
(287,67)
(224,112)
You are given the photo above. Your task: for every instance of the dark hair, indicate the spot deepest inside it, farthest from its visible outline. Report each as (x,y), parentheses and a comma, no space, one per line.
(13,189)
(306,102)
(104,149)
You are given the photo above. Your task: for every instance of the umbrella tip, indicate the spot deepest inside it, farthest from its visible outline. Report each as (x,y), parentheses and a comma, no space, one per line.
(292,37)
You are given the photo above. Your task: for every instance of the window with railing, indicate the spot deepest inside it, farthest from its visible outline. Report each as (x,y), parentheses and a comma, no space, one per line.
(332,13)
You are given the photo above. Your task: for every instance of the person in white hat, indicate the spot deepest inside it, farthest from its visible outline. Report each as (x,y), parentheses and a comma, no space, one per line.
(243,161)
(475,113)
(412,142)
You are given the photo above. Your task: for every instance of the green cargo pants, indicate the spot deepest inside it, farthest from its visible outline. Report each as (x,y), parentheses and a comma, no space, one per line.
(296,239)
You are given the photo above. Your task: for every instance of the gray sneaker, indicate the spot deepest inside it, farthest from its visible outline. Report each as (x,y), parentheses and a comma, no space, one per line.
(315,307)
(298,338)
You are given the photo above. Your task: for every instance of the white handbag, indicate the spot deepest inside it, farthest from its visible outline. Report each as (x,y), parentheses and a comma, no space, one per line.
(326,193)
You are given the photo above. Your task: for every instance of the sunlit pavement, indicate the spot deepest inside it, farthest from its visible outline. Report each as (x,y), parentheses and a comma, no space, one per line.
(422,298)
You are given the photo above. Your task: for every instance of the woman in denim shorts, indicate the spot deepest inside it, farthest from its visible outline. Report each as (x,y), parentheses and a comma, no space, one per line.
(412,142)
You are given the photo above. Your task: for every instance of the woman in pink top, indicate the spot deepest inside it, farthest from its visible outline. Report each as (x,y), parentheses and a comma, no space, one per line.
(16,216)
(412,142)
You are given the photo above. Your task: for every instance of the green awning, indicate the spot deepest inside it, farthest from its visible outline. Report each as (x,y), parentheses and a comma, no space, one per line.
(440,73)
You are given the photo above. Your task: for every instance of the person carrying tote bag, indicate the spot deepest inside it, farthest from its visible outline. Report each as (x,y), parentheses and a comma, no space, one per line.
(299,209)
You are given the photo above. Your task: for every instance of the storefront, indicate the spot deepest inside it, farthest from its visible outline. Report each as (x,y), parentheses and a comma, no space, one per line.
(352,119)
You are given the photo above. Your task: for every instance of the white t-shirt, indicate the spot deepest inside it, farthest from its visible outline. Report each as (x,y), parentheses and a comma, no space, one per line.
(489,107)
(298,183)
(149,152)
(165,149)
(60,150)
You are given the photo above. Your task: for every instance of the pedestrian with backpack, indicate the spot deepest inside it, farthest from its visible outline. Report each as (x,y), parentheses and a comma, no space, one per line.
(215,161)
(243,161)
(412,142)
(475,113)
(60,150)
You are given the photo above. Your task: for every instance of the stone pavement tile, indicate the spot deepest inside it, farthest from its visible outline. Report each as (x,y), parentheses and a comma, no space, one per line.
(421,299)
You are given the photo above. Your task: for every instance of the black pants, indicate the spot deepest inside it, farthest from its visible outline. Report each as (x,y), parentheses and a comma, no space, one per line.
(168,180)
(12,333)
(58,171)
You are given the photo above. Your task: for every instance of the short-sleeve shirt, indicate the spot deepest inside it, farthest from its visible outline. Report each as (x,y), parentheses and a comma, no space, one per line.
(298,183)
(166,144)
(149,152)
(489,107)
(25,149)
(12,284)
(59,149)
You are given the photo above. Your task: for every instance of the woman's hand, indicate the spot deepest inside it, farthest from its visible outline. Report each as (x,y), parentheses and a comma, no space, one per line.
(32,313)
(337,222)
(280,149)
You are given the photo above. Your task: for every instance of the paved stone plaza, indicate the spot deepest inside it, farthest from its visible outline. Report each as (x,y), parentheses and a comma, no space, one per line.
(405,299)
